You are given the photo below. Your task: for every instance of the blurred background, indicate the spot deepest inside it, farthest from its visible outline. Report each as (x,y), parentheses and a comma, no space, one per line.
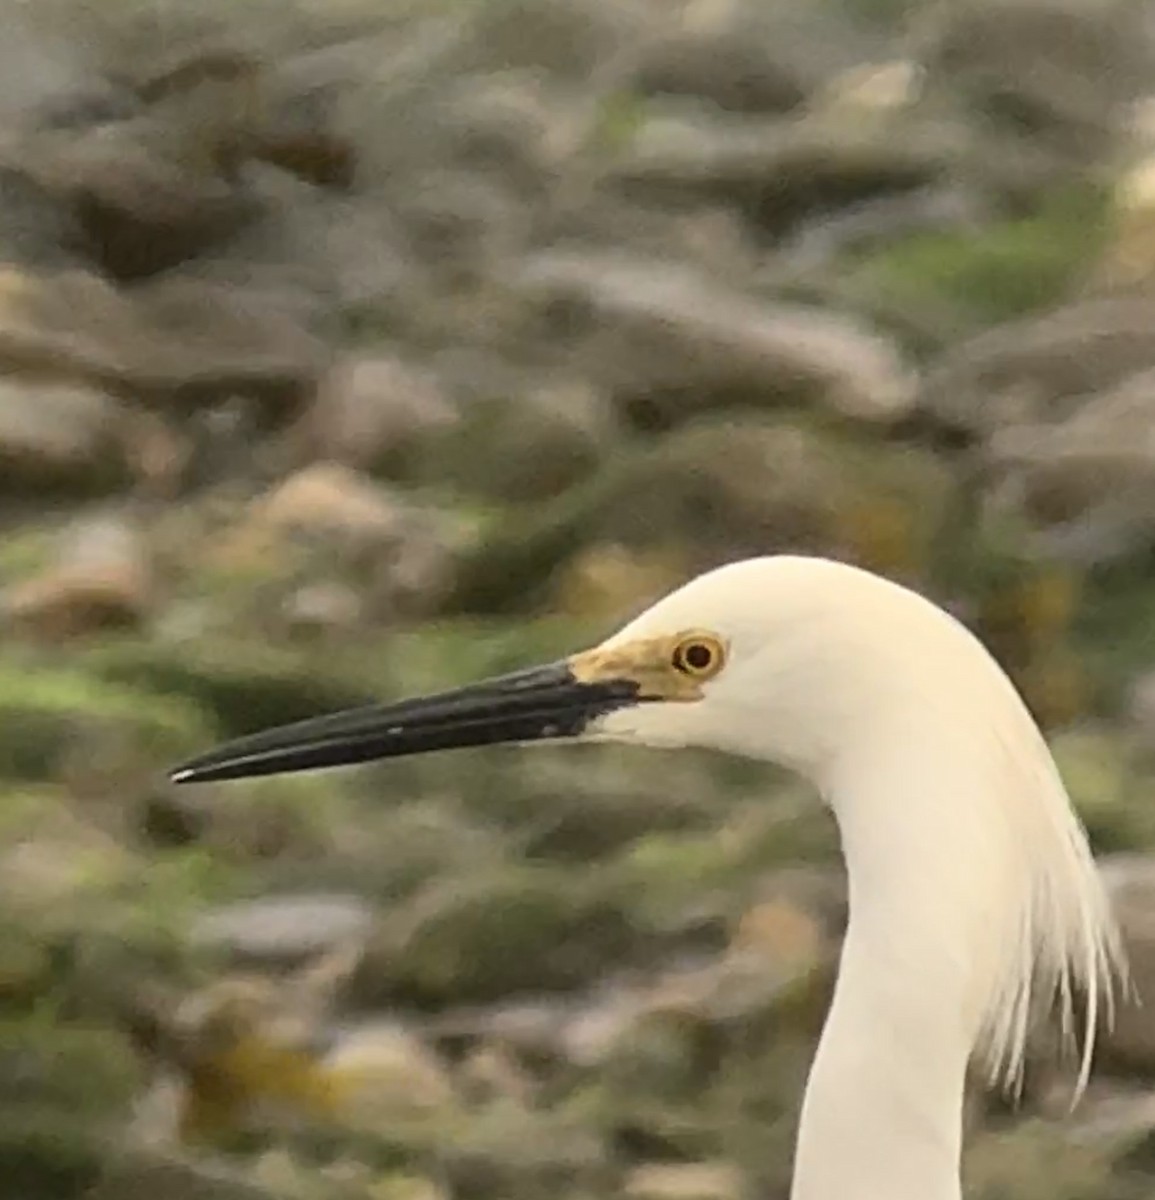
(351,348)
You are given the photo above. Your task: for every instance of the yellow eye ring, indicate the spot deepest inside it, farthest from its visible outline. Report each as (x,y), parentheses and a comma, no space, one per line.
(699,655)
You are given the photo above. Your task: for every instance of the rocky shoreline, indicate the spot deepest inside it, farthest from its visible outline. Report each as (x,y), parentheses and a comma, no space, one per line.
(347,353)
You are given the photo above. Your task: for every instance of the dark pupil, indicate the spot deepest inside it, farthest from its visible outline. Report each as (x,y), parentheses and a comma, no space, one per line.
(697,656)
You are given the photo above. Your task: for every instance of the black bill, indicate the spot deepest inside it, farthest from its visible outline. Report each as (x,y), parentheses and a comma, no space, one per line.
(539,703)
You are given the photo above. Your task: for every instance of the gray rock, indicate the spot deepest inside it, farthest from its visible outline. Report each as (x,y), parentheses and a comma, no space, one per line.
(37,227)
(375,411)
(336,251)
(1037,65)
(286,929)
(777,169)
(142,1177)
(1130,881)
(686,342)
(48,77)
(174,338)
(569,38)
(1041,369)
(752,57)
(1142,707)
(1086,483)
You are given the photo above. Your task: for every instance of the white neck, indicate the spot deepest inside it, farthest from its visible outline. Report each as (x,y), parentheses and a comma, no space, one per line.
(939,889)
(882,1117)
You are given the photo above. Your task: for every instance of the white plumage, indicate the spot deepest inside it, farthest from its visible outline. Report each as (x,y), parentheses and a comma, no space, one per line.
(974,899)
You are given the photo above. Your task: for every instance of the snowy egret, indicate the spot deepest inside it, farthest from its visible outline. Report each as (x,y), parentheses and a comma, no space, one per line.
(974,899)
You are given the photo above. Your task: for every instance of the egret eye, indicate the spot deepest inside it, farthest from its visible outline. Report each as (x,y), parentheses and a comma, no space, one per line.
(699,655)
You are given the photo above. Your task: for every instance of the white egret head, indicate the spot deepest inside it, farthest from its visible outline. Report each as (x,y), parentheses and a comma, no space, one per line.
(787,659)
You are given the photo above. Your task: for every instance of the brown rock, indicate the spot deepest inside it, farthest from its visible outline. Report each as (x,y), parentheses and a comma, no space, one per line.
(248,108)
(298,125)
(373,411)
(570,38)
(510,122)
(1130,881)
(327,252)
(491,1072)
(174,338)
(321,607)
(1128,259)
(685,1181)
(331,525)
(749,58)
(101,580)
(386,1074)
(205,65)
(201,341)
(328,499)
(779,930)
(139,206)
(530,442)
(56,435)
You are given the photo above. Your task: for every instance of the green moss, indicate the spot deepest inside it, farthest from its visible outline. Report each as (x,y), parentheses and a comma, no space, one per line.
(44,710)
(979,278)
(1112,796)
(555,449)
(1114,630)
(671,880)
(63,1087)
(47,1154)
(155,905)
(509,930)
(25,551)
(45,1062)
(1040,1160)
(452,651)
(718,488)
(244,685)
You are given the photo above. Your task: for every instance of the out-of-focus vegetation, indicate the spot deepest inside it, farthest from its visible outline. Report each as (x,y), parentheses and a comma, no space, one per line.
(354,349)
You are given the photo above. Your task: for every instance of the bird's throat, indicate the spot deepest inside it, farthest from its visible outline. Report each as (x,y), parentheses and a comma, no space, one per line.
(882,1116)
